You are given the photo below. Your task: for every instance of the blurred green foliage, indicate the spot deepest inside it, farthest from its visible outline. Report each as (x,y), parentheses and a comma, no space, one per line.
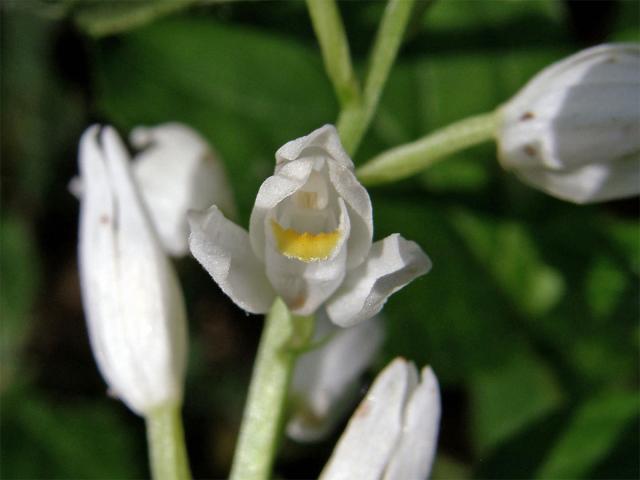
(19,277)
(529,317)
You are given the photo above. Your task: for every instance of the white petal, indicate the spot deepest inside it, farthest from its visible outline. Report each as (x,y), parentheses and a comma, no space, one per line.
(591,183)
(153,312)
(96,247)
(365,448)
(319,143)
(289,179)
(177,171)
(584,67)
(325,379)
(359,207)
(304,286)
(416,449)
(134,306)
(224,250)
(392,263)
(571,127)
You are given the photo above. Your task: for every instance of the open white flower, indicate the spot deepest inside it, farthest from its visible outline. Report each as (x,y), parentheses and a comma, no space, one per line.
(393,433)
(574,130)
(133,304)
(309,240)
(325,380)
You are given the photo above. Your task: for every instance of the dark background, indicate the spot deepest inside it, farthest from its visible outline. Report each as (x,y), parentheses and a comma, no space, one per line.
(529,317)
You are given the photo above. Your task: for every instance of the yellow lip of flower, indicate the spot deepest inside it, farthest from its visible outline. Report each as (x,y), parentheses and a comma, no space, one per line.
(307,247)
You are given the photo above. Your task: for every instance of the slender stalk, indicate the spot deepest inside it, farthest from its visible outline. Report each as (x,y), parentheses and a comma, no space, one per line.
(353,122)
(334,46)
(165,435)
(284,335)
(405,160)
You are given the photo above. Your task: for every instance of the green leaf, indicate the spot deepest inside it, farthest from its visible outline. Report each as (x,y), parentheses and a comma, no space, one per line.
(590,435)
(445,468)
(463,174)
(454,16)
(116,16)
(625,237)
(248,101)
(19,277)
(511,397)
(605,285)
(72,441)
(441,318)
(626,27)
(509,254)
(36,105)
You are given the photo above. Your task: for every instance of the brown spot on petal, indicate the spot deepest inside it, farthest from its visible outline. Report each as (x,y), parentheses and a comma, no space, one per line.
(527,116)
(111,393)
(363,410)
(104,219)
(297,302)
(530,150)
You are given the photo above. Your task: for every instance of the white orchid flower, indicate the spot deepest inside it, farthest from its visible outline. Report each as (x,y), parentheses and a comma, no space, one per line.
(133,304)
(309,240)
(325,380)
(574,130)
(178,171)
(393,433)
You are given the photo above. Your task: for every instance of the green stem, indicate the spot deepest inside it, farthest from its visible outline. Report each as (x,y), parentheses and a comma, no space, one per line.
(165,435)
(334,46)
(354,121)
(405,160)
(283,336)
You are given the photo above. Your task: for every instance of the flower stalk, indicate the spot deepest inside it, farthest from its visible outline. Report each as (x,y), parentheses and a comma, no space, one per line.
(283,337)
(405,160)
(334,46)
(354,120)
(165,436)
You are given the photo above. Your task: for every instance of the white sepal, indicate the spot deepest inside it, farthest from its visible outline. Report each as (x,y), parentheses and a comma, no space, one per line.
(133,304)
(590,183)
(358,204)
(393,432)
(324,142)
(392,263)
(414,453)
(325,380)
(224,251)
(574,130)
(177,171)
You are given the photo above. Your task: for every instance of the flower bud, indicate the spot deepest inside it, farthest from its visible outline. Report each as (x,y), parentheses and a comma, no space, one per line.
(177,171)
(574,130)
(133,304)
(325,380)
(393,433)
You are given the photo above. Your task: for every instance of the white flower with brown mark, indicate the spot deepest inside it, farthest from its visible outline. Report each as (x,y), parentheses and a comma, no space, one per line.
(176,170)
(309,240)
(394,431)
(133,304)
(325,381)
(574,130)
